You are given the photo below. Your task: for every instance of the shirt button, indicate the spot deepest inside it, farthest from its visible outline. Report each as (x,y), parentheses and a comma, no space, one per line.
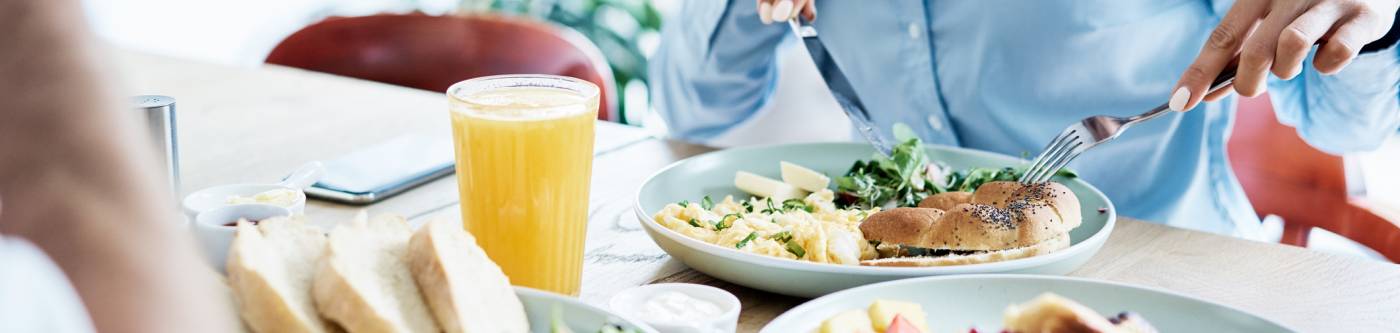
(914,31)
(936,123)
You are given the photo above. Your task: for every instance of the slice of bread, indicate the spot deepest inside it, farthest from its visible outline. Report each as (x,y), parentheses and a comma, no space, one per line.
(363,282)
(465,290)
(1048,246)
(270,269)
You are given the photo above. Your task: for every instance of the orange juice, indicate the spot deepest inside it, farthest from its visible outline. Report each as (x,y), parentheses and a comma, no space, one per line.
(524,154)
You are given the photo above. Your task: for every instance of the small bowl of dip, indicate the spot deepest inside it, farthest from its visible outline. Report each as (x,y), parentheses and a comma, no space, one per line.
(680,307)
(215,228)
(287,193)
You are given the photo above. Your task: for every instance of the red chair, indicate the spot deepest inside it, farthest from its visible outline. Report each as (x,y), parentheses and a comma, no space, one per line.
(1282,175)
(434,52)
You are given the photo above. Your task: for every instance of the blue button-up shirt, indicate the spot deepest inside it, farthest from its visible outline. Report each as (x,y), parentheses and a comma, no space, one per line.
(1006,76)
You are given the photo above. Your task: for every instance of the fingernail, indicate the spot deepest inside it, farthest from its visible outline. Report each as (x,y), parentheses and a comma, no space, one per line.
(764,10)
(1179,99)
(782,11)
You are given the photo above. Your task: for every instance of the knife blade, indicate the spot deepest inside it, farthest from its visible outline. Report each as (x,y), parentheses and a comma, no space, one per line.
(840,87)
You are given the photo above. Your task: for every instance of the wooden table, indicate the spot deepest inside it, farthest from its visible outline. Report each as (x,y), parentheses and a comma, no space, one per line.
(240,125)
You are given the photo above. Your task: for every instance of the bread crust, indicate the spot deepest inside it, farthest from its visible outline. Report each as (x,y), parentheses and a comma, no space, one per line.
(946,200)
(432,279)
(464,289)
(903,225)
(336,299)
(350,301)
(270,298)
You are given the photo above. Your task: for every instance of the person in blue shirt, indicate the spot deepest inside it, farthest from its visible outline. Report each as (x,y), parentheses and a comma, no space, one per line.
(1006,76)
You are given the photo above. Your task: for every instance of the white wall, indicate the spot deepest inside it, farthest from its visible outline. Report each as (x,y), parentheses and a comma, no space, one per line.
(233,32)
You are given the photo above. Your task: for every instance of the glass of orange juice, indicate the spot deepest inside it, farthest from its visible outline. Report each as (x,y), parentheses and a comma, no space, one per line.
(524,156)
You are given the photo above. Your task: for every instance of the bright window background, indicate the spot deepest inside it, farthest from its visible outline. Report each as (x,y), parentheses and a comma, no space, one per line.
(234,32)
(242,32)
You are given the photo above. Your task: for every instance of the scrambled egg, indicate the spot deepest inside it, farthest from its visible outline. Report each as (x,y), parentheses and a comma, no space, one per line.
(816,231)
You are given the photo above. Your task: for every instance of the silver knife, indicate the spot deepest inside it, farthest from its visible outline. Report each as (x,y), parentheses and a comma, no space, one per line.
(838,84)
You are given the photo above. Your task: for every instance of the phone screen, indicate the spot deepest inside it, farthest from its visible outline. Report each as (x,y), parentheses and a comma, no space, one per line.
(390,166)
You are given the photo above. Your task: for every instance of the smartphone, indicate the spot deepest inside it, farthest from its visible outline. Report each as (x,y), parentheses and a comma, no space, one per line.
(383,170)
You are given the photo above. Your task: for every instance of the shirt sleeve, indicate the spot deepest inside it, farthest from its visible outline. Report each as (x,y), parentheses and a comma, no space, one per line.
(1355,109)
(714,68)
(35,296)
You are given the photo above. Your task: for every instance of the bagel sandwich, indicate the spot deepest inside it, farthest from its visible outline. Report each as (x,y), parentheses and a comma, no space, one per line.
(999,221)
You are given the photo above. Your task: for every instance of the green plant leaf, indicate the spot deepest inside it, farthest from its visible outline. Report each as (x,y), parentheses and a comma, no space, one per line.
(903,133)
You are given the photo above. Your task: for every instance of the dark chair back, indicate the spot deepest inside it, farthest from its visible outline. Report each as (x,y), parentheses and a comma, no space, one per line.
(434,52)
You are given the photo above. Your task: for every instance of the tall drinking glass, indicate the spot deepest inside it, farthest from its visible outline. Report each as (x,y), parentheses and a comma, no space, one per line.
(524,156)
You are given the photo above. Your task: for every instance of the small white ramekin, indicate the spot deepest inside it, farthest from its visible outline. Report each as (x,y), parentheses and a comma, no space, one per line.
(215,236)
(628,302)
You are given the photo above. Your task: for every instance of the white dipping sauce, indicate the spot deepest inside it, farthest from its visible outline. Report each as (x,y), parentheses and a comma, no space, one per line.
(676,307)
(278,197)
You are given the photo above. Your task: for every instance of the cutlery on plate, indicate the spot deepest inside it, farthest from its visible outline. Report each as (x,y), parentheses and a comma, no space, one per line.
(1092,131)
(838,84)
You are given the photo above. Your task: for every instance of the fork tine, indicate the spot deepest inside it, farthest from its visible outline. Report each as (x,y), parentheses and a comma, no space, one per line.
(1055,168)
(1052,157)
(1051,149)
(1051,169)
(1045,158)
(1041,159)
(1034,177)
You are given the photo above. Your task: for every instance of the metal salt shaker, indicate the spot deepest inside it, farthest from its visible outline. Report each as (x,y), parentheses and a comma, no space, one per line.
(159,112)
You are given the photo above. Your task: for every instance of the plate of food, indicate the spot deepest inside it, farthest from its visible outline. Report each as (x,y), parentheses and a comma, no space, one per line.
(380,275)
(811,219)
(1014,303)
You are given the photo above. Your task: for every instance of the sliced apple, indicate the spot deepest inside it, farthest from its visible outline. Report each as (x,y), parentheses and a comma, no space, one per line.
(803,178)
(853,321)
(766,187)
(883,312)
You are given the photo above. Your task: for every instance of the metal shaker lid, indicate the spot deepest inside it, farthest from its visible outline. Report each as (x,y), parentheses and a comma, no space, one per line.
(152,101)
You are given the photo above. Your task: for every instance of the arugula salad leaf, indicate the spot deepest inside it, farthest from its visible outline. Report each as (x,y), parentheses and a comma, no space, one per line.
(904,178)
(899,177)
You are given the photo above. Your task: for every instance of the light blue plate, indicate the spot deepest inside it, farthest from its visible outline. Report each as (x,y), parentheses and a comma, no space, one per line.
(579,316)
(959,303)
(713,174)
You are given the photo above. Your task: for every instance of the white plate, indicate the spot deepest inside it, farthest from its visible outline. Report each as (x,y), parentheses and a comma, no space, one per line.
(713,174)
(960,303)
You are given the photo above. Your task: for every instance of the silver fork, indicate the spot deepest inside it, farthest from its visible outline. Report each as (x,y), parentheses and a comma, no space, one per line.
(1093,131)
